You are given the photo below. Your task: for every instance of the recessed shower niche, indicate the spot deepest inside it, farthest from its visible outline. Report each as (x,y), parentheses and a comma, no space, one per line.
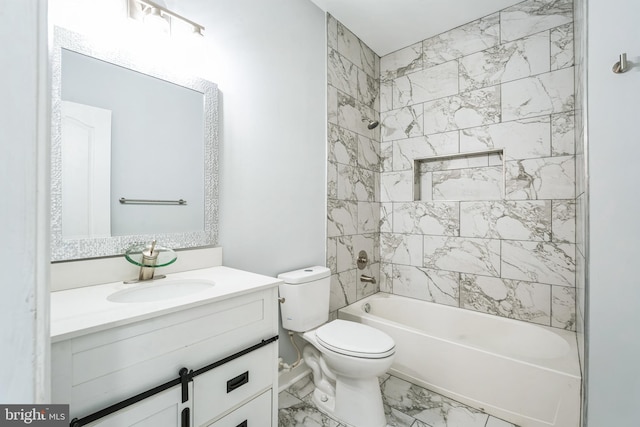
(478,175)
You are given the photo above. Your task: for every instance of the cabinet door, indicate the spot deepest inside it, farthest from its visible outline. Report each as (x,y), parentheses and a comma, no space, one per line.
(228,386)
(100,369)
(162,410)
(255,413)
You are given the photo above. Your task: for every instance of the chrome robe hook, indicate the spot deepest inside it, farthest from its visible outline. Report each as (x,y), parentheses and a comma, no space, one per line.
(621,66)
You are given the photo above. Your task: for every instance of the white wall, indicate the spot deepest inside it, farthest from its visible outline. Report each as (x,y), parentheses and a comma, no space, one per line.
(268,58)
(613,313)
(24,209)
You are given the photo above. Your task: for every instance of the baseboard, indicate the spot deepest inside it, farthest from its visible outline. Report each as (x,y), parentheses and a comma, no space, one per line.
(287,379)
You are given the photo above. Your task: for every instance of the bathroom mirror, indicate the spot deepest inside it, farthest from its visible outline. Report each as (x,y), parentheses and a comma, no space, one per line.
(133,154)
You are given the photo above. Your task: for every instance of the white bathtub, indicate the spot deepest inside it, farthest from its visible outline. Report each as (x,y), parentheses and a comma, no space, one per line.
(520,372)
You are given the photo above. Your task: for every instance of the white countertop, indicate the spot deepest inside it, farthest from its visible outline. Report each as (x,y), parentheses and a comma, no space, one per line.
(81,311)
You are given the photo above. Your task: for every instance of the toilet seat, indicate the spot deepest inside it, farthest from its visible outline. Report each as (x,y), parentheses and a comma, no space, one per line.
(355,339)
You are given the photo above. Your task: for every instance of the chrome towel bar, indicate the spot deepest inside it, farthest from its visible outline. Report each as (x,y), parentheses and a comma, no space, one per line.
(151,202)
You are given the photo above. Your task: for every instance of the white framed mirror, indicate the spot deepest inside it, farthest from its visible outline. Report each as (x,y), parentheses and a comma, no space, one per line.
(134,152)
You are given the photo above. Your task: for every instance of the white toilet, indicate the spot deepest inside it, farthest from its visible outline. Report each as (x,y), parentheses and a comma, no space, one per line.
(345,357)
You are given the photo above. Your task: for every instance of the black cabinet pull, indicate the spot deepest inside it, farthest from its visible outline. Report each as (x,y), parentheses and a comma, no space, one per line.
(185,377)
(242,424)
(185,418)
(184,382)
(238,381)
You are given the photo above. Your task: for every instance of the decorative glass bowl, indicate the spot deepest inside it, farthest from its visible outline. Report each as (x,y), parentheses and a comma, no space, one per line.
(139,255)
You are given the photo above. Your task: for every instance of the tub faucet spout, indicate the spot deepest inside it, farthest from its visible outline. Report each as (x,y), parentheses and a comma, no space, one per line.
(368,279)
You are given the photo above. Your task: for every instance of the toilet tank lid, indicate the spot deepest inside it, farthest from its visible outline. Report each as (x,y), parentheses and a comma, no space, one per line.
(305,275)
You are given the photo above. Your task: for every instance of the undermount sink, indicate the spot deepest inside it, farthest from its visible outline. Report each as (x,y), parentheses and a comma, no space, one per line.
(160,290)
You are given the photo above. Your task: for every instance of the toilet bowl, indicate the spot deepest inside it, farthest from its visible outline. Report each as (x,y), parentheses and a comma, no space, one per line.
(345,357)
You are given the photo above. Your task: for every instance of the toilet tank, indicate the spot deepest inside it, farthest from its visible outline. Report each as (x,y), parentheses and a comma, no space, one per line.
(306,298)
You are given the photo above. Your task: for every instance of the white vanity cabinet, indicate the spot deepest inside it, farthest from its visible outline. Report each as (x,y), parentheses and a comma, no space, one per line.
(239,381)
(253,413)
(227,344)
(161,410)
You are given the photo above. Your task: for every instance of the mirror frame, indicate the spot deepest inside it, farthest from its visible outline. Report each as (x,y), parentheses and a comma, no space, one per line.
(63,249)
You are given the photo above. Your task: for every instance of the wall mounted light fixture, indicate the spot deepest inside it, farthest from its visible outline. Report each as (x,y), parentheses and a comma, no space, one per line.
(158,16)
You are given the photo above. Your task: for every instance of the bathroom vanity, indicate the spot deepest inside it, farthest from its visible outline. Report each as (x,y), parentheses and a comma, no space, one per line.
(195,349)
(198,349)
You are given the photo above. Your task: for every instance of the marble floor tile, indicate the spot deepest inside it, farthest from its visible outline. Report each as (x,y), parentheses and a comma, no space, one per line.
(301,388)
(287,400)
(429,407)
(299,413)
(405,405)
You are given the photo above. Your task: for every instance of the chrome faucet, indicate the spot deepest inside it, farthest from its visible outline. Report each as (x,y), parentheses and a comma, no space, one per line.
(368,279)
(146,257)
(148,263)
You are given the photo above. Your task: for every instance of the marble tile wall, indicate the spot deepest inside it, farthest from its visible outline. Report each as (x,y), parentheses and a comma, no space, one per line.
(460,178)
(580,44)
(353,184)
(505,82)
